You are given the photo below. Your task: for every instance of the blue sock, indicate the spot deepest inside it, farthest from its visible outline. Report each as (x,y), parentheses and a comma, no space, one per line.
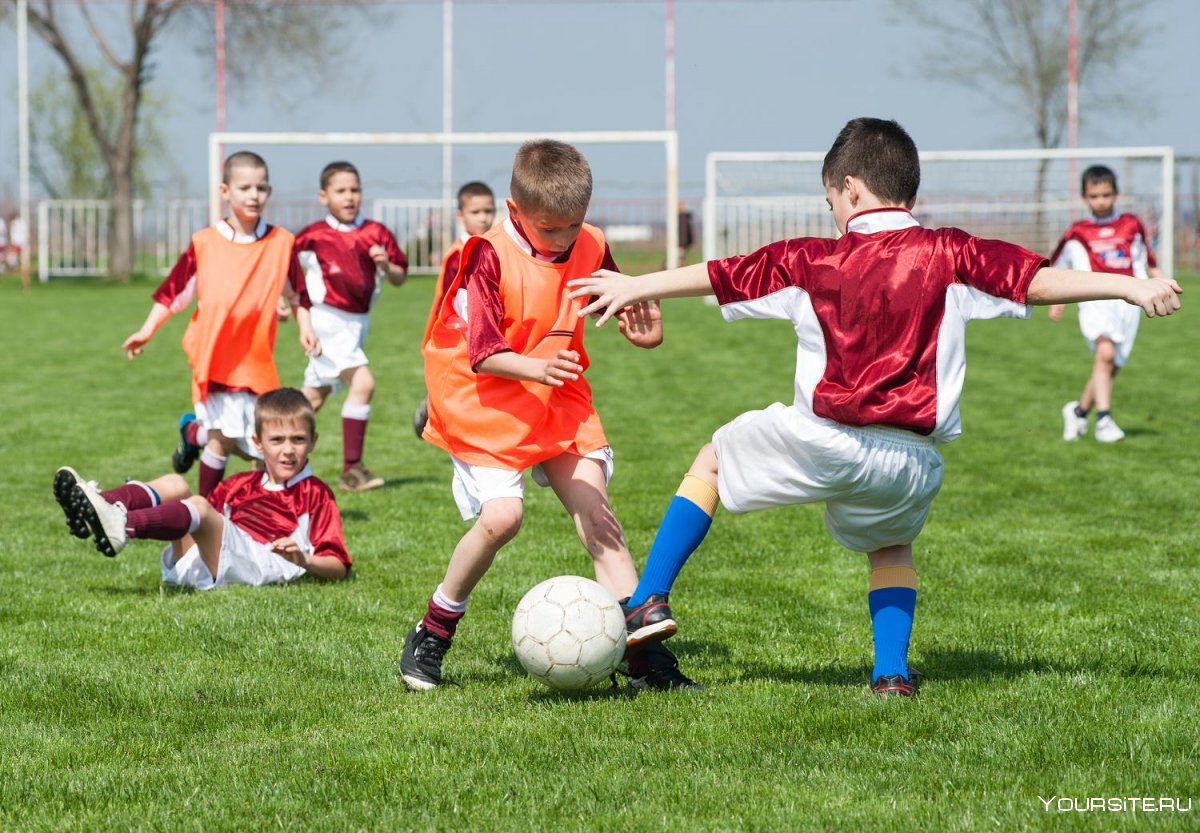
(891,625)
(682,529)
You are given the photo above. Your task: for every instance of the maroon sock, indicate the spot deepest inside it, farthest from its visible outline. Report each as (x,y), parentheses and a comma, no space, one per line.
(440,621)
(191,432)
(209,478)
(168,522)
(133,495)
(354,433)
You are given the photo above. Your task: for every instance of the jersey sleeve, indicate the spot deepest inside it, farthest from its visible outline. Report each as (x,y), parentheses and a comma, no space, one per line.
(394,252)
(450,268)
(297,280)
(218,496)
(485,306)
(775,266)
(1147,253)
(994,267)
(609,261)
(1072,254)
(179,287)
(325,528)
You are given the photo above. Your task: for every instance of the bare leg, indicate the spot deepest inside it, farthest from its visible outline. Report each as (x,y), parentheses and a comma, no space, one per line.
(360,385)
(498,523)
(316,396)
(1099,386)
(207,536)
(579,484)
(170,487)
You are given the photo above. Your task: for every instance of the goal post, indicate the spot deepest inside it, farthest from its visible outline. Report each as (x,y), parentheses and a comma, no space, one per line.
(1028,197)
(668,139)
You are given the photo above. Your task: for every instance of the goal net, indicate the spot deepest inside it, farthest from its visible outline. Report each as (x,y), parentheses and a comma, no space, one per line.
(1028,197)
(410,181)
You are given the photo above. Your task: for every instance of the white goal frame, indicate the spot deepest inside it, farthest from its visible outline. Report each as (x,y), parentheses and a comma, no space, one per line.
(1165,251)
(669,139)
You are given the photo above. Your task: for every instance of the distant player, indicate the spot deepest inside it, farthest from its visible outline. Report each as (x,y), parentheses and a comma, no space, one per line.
(476,213)
(880,315)
(346,258)
(265,527)
(1104,242)
(236,272)
(504,367)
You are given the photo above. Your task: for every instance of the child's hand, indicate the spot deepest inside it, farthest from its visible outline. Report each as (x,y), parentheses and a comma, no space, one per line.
(134,344)
(283,309)
(609,293)
(641,324)
(289,550)
(310,343)
(379,255)
(1157,296)
(564,366)
(1056,311)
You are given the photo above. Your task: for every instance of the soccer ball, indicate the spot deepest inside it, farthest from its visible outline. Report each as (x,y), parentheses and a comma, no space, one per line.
(569,632)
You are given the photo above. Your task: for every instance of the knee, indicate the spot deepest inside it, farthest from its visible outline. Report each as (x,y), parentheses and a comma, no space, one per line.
(501,523)
(362,384)
(173,487)
(1106,352)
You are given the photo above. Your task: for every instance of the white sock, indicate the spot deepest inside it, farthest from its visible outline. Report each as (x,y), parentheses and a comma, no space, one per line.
(213,461)
(446,603)
(351,410)
(195,513)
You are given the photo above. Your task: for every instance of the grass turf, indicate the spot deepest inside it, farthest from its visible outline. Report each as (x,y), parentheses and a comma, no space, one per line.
(1056,627)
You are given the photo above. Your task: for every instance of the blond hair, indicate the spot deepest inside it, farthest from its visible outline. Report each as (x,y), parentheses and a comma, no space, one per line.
(551,176)
(281,405)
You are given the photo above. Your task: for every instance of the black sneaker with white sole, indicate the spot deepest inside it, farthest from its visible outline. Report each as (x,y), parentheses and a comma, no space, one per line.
(421,662)
(65,480)
(185,454)
(649,622)
(657,669)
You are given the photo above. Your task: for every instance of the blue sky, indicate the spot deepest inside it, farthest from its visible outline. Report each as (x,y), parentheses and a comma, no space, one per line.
(750,76)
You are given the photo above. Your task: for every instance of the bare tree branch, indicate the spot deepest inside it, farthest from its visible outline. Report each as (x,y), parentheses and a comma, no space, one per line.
(98,36)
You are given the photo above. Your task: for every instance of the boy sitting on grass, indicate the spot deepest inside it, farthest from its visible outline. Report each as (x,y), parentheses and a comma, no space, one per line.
(256,527)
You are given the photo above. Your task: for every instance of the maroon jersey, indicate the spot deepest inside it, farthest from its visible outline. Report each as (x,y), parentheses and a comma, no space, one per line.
(1116,244)
(880,314)
(485,306)
(178,289)
(337,262)
(302,509)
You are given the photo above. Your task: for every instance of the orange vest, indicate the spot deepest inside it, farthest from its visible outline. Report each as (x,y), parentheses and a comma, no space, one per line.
(489,420)
(456,246)
(231,337)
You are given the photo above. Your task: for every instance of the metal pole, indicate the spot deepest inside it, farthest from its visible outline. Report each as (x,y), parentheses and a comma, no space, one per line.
(23,137)
(1072,88)
(447,120)
(670,64)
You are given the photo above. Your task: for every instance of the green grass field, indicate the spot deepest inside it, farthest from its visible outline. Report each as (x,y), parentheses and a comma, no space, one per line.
(1057,628)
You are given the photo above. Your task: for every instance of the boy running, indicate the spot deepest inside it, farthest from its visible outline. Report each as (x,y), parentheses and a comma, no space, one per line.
(880,315)
(345,259)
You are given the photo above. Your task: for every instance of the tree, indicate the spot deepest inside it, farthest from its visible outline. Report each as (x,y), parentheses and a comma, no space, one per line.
(283,36)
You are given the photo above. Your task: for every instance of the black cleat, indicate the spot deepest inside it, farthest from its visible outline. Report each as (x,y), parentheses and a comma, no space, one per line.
(185,454)
(659,671)
(65,480)
(895,685)
(648,623)
(420,417)
(421,662)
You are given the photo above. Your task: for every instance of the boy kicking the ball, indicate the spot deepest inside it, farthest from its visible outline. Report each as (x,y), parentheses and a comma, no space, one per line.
(880,314)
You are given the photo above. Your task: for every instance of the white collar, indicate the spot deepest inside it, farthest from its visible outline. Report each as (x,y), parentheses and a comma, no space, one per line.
(303,474)
(1111,218)
(881,219)
(335,223)
(520,240)
(227,231)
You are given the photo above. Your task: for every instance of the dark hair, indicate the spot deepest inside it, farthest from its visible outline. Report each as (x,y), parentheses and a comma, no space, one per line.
(242,159)
(1098,175)
(880,153)
(281,404)
(551,176)
(339,167)
(473,189)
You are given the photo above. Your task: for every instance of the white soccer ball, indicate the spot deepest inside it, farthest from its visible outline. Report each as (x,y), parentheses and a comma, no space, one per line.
(569,632)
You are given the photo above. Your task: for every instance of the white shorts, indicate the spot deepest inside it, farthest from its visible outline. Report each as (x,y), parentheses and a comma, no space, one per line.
(474,486)
(243,561)
(342,336)
(1114,320)
(877,483)
(233,415)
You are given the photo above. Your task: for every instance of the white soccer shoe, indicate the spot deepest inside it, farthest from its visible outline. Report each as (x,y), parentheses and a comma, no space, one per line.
(1107,430)
(1075,426)
(105,520)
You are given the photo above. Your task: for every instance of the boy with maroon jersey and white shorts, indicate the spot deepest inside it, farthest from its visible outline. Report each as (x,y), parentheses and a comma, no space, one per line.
(345,259)
(880,315)
(1105,242)
(257,527)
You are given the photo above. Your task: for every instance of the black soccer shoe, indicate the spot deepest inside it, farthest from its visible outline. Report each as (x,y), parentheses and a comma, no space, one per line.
(649,622)
(661,672)
(65,480)
(895,685)
(420,417)
(421,662)
(185,454)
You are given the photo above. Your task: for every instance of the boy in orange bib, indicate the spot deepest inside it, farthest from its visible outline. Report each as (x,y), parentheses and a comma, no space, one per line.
(504,364)
(236,271)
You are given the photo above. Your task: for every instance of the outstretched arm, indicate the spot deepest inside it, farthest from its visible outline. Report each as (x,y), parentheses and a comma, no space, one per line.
(614,292)
(158,315)
(1157,296)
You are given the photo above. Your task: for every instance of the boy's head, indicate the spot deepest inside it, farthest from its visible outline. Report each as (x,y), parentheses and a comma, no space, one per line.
(285,431)
(1099,189)
(875,156)
(341,191)
(246,186)
(476,207)
(551,188)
